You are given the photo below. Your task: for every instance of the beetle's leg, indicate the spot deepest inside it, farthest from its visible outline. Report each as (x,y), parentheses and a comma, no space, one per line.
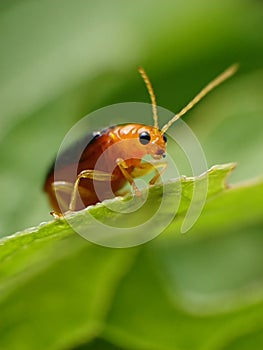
(66,188)
(123,168)
(146,168)
(87,174)
(159,169)
(61,186)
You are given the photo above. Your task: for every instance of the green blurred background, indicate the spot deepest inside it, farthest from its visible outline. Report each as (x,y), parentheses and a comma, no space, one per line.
(61,60)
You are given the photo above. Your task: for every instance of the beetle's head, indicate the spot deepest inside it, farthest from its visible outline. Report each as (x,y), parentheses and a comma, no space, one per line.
(152,141)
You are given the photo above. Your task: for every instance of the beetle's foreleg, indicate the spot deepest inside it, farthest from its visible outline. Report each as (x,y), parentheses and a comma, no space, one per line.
(123,168)
(159,169)
(146,168)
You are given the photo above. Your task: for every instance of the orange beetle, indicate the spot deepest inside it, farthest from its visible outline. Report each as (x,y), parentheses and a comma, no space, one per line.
(74,182)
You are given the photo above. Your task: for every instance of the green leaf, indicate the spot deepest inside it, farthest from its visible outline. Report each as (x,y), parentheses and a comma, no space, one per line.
(201,290)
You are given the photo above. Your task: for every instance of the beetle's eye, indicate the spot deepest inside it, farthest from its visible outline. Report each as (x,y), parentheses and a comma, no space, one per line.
(164,138)
(144,138)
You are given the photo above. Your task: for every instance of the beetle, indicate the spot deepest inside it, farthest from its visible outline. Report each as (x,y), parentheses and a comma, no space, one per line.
(121,148)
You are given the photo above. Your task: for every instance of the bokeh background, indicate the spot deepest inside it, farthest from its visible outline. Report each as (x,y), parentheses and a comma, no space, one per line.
(61,60)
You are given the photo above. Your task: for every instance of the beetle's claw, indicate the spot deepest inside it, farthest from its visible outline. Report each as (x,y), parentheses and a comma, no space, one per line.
(56,215)
(136,190)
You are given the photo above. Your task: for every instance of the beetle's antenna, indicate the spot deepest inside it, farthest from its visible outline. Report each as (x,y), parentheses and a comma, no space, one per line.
(152,95)
(214,83)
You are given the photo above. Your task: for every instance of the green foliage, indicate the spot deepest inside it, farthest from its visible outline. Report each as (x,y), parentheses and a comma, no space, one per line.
(61,60)
(58,290)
